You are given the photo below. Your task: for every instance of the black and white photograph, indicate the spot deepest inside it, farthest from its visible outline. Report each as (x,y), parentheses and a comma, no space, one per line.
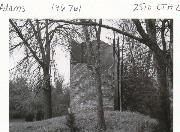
(90,75)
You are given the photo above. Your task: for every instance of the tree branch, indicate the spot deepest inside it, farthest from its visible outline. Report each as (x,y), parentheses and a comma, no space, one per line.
(148,41)
(90,23)
(25,42)
(140,29)
(38,31)
(51,33)
(162,35)
(38,36)
(20,63)
(15,46)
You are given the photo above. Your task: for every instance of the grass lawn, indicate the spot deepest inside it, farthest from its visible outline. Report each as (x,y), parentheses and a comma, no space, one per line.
(87,122)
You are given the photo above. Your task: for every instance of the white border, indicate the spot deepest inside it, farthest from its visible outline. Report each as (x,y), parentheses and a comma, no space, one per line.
(90,9)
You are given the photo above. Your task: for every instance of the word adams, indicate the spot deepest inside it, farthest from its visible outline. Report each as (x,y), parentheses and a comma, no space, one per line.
(11,8)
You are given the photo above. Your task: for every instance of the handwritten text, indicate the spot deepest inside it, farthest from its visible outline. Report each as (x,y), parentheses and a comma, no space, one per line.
(66,8)
(158,7)
(11,8)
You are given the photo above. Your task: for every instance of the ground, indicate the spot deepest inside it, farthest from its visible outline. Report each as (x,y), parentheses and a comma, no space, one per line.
(115,122)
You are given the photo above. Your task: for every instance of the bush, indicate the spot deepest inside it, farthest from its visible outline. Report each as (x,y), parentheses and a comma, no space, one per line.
(39,115)
(15,115)
(87,122)
(117,122)
(29,117)
(71,122)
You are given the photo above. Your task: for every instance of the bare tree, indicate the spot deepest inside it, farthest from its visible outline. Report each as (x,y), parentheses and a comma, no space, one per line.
(100,111)
(164,62)
(37,38)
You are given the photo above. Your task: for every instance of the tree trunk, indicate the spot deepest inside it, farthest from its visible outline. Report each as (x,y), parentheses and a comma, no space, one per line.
(100,110)
(47,94)
(115,86)
(116,54)
(118,78)
(164,62)
(164,116)
(116,94)
(122,86)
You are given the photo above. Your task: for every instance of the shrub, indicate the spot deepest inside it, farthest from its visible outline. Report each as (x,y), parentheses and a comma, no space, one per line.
(87,122)
(70,118)
(39,115)
(15,115)
(29,117)
(117,122)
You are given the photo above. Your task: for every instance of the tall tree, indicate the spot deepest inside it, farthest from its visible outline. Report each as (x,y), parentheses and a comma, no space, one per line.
(122,64)
(164,62)
(118,70)
(43,60)
(37,37)
(100,111)
(117,88)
